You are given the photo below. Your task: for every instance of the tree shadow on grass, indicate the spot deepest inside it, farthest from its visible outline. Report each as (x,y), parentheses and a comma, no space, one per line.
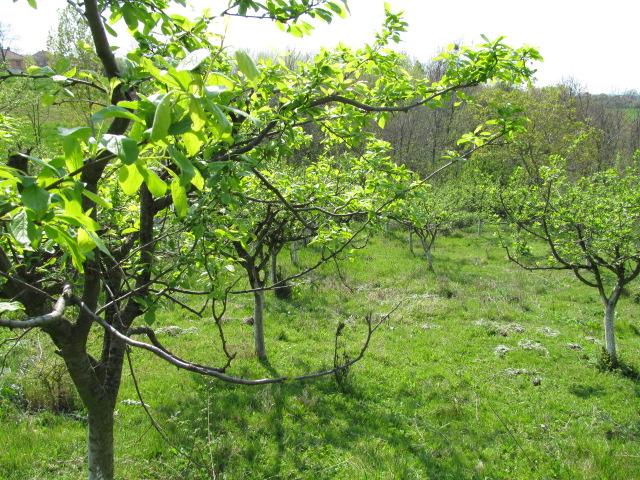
(587,391)
(305,425)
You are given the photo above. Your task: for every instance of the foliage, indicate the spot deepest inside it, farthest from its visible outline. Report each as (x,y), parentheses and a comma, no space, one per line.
(590,227)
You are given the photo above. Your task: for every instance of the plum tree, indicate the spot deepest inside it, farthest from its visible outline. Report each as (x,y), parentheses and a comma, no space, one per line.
(589,226)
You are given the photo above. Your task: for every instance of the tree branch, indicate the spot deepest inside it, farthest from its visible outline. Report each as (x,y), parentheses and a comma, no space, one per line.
(41,320)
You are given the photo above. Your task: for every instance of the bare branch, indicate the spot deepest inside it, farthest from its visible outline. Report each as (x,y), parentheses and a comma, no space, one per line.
(163,353)
(41,320)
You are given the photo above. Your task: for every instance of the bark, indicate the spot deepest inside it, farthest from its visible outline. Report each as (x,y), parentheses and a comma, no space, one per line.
(100,442)
(426,247)
(274,266)
(258,324)
(427,254)
(609,329)
(411,242)
(294,254)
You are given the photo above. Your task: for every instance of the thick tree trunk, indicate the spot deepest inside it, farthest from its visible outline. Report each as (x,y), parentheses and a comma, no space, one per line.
(100,443)
(258,324)
(609,330)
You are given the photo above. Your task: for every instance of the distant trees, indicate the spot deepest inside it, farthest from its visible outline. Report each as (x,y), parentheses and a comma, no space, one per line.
(590,226)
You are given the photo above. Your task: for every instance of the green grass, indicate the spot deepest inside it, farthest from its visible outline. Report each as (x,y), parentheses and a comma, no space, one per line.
(431,399)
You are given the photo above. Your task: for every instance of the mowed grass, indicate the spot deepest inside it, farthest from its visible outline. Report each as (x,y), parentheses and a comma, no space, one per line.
(431,398)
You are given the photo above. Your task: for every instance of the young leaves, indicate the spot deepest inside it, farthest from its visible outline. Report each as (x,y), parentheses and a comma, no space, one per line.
(161,119)
(246,66)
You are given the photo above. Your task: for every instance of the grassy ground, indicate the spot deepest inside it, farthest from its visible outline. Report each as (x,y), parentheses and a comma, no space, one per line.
(433,398)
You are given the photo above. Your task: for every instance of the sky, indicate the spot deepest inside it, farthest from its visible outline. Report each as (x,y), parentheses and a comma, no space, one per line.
(591,42)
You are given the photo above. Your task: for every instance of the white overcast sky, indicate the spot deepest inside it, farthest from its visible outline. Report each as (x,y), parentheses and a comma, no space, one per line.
(593,42)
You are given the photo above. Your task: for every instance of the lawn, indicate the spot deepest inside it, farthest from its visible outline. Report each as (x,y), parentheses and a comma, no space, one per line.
(484,371)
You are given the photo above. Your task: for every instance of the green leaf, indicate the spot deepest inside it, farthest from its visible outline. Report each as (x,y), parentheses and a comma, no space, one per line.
(193,60)
(161,119)
(96,198)
(222,122)
(155,184)
(99,243)
(19,228)
(192,143)
(197,180)
(114,111)
(246,65)
(124,147)
(68,244)
(71,145)
(150,315)
(179,196)
(82,133)
(129,15)
(187,170)
(130,179)
(36,199)
(85,243)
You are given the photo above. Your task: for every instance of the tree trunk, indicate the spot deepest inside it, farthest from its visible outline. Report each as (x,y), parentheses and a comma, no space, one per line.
(100,443)
(274,266)
(411,242)
(293,249)
(609,330)
(427,254)
(426,247)
(258,323)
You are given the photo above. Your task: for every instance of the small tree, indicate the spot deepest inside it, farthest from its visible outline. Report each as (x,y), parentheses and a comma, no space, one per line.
(427,211)
(326,204)
(590,227)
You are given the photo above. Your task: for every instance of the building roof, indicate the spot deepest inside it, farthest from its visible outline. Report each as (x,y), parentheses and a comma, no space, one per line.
(8,54)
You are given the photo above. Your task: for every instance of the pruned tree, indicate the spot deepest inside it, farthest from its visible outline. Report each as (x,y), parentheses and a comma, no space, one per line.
(590,226)
(426,212)
(87,230)
(326,204)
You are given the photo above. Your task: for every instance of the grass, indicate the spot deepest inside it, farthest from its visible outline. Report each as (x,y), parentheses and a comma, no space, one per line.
(431,399)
